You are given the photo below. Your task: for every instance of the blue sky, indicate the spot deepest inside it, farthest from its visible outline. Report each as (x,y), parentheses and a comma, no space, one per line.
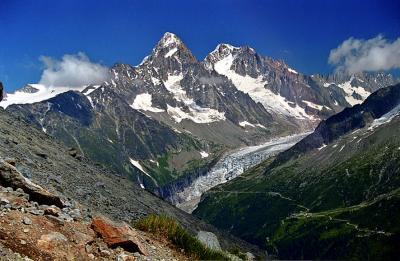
(298,31)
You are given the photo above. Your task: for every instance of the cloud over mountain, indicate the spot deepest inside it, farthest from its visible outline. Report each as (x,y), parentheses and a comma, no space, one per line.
(357,55)
(72,70)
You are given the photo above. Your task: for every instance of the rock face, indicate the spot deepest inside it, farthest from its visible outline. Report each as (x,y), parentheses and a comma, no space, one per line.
(115,235)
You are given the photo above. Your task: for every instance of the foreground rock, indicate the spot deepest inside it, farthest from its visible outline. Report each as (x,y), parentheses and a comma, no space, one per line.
(209,239)
(115,235)
(29,233)
(10,177)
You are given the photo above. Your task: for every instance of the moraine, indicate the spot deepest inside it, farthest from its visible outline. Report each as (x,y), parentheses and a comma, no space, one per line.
(229,167)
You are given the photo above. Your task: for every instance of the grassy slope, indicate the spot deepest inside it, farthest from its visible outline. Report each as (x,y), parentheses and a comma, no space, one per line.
(334,203)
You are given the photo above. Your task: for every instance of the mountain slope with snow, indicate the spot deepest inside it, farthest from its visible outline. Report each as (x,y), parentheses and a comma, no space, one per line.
(171,109)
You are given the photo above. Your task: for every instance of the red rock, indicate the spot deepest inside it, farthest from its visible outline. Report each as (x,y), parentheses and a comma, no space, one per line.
(52,210)
(118,235)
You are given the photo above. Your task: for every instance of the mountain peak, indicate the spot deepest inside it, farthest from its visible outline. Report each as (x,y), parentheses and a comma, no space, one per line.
(170,47)
(170,39)
(223,50)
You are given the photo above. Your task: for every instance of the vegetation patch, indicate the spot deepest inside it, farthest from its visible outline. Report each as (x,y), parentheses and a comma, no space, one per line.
(167,227)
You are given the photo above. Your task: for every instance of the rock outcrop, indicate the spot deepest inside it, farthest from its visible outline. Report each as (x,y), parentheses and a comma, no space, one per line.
(10,177)
(117,235)
(32,231)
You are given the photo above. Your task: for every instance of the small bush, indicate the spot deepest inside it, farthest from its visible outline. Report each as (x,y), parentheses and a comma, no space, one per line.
(179,237)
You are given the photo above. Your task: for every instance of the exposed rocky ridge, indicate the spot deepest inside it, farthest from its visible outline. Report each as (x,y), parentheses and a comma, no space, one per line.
(58,169)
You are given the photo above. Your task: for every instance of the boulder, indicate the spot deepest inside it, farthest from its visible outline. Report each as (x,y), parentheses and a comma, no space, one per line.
(117,235)
(209,239)
(11,177)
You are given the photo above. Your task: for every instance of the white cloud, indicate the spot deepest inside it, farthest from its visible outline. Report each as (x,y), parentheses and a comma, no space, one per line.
(375,54)
(72,70)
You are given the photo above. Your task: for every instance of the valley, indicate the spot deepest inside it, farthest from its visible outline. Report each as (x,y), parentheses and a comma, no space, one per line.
(229,167)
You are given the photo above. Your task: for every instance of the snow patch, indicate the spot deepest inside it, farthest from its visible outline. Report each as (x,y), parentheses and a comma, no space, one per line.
(349,90)
(137,165)
(171,52)
(386,118)
(327,84)
(204,154)
(260,126)
(322,147)
(246,123)
(155,81)
(292,71)
(197,115)
(143,102)
(313,105)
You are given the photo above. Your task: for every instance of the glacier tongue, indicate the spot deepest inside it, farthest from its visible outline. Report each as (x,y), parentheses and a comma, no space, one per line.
(229,167)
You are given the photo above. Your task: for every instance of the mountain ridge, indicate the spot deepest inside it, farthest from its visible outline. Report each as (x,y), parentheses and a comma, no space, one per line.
(234,97)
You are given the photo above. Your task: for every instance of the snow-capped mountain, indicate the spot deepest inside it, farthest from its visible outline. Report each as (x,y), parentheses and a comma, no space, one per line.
(169,111)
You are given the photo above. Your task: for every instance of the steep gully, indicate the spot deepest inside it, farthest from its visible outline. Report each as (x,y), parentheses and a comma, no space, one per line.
(187,195)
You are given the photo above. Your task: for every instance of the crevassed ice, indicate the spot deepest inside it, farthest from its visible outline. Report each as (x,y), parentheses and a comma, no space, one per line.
(229,167)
